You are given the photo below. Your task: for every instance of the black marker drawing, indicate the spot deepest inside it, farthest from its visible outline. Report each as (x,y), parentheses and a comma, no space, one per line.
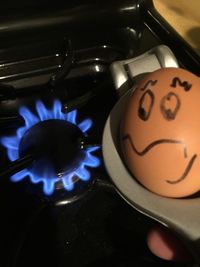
(170,113)
(145,105)
(164,141)
(153,144)
(149,83)
(177,82)
(187,170)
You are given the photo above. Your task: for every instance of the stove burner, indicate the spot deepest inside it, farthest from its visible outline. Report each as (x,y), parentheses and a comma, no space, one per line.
(57,143)
(55,137)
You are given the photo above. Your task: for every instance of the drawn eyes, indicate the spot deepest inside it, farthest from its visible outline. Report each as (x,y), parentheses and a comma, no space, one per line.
(169,105)
(145,105)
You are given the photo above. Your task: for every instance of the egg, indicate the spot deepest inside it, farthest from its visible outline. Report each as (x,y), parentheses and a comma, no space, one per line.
(160,132)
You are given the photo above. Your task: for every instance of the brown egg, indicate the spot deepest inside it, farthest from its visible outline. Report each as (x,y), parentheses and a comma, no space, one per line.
(160,132)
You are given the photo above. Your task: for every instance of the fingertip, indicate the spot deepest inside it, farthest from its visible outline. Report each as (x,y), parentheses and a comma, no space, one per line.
(166,245)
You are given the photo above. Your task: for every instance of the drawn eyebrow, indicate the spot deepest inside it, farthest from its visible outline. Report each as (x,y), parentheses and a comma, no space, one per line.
(149,83)
(177,82)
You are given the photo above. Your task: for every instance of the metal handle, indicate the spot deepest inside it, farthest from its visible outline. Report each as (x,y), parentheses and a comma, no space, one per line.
(16,166)
(181,215)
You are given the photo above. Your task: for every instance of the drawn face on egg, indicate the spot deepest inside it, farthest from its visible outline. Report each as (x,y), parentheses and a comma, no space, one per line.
(160,132)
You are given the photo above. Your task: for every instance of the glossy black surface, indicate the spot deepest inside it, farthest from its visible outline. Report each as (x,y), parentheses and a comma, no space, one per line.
(56,145)
(94,226)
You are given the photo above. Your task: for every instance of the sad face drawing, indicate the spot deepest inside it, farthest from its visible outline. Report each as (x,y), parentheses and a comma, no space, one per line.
(160,132)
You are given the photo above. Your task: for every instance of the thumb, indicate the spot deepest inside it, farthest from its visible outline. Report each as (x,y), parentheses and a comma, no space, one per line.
(166,245)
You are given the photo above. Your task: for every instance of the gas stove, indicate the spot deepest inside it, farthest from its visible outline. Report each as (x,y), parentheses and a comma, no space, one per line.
(58,205)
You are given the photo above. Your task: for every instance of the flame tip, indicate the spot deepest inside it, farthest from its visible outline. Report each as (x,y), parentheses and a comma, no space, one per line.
(12,145)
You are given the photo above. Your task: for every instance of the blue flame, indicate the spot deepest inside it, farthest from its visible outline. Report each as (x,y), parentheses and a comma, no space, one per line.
(43,114)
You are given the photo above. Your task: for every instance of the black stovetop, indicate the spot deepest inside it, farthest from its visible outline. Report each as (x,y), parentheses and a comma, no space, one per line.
(47,56)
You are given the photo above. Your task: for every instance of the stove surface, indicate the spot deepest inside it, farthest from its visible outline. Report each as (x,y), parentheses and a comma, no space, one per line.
(87,224)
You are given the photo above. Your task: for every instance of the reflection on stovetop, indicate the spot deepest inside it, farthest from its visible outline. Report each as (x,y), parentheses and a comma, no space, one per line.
(99,230)
(96,228)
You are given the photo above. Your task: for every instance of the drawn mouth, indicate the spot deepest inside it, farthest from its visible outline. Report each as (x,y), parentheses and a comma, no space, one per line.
(185,173)
(153,144)
(165,141)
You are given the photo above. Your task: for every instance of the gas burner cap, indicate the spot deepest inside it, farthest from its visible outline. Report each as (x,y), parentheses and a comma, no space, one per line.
(58,144)
(62,160)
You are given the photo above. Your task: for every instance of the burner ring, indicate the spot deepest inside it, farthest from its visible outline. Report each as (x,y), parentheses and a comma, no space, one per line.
(57,144)
(63,172)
